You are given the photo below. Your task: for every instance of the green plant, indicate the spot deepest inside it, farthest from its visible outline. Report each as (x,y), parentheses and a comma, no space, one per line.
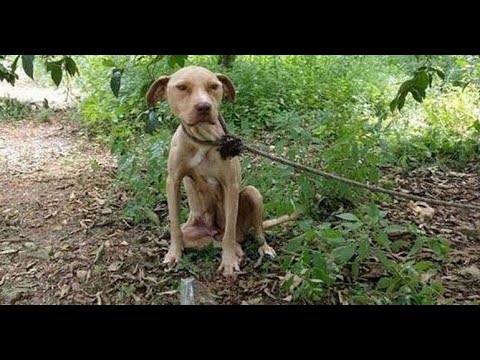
(12,109)
(445,128)
(324,257)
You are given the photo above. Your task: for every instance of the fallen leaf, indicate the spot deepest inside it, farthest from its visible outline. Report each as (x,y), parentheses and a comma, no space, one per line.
(115,266)
(82,275)
(471,270)
(10,296)
(8,251)
(40,254)
(99,298)
(64,290)
(170,292)
(424,277)
(457,174)
(98,253)
(57,227)
(375,272)
(469,232)
(106,211)
(255,301)
(423,210)
(269,294)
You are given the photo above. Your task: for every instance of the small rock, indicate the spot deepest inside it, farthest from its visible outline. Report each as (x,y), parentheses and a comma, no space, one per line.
(11,296)
(82,275)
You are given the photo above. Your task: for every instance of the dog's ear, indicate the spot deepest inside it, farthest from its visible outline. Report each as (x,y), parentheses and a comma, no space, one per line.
(228,88)
(158,90)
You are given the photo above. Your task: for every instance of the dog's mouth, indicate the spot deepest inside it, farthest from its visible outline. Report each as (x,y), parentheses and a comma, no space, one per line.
(200,119)
(200,127)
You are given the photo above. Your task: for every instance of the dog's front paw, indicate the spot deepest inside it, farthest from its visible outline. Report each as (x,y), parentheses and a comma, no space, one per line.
(265,249)
(230,263)
(173,256)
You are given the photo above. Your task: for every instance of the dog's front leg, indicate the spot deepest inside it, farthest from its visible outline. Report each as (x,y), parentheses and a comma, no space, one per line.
(230,260)
(173,197)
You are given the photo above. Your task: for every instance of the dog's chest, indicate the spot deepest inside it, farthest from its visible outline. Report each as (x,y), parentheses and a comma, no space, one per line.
(205,162)
(198,158)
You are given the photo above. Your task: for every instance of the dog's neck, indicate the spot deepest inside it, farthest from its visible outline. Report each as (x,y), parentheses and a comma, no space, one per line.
(204,134)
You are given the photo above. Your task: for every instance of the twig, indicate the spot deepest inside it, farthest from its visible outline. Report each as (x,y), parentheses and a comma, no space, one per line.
(359,184)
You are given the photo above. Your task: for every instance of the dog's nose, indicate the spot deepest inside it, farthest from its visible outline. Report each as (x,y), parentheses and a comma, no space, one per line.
(203,107)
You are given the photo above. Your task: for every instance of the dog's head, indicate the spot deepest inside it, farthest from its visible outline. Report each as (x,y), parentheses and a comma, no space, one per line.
(193,93)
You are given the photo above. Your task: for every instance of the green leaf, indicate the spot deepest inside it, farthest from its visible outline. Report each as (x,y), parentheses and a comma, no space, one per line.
(424,265)
(382,239)
(421,80)
(295,244)
(405,87)
(55,69)
(383,258)
(399,244)
(108,63)
(384,283)
(401,101)
(14,64)
(356,268)
(416,95)
(417,246)
(27,62)
(393,105)
(150,214)
(476,125)
(440,73)
(176,60)
(364,249)
(320,268)
(71,66)
(352,226)
(348,217)
(440,247)
(437,286)
(116,81)
(344,253)
(332,234)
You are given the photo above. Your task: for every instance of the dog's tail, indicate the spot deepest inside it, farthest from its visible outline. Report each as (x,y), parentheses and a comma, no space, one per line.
(267,224)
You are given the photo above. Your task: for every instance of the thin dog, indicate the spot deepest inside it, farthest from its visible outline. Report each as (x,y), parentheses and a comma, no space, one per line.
(221,212)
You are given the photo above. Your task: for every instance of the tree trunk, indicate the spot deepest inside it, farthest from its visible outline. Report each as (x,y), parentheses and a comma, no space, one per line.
(226,61)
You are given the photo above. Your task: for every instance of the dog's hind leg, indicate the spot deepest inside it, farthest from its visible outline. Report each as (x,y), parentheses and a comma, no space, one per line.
(251,218)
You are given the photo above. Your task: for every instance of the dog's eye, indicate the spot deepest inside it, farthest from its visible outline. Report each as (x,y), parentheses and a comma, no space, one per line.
(181,87)
(214,86)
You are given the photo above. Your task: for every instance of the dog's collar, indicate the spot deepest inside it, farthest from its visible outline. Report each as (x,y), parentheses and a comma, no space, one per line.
(229,146)
(197,140)
(207,142)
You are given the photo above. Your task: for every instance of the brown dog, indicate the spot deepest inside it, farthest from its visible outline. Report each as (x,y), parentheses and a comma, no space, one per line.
(220,212)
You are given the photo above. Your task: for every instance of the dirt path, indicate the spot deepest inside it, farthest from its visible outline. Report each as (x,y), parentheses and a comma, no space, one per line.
(29,91)
(57,209)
